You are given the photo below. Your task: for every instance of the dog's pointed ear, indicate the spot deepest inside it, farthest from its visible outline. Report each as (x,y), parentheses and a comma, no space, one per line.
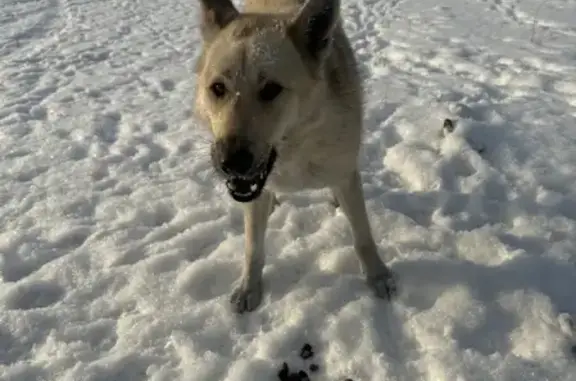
(216,14)
(313,26)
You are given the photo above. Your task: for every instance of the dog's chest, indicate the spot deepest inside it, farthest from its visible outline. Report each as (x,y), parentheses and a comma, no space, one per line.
(297,175)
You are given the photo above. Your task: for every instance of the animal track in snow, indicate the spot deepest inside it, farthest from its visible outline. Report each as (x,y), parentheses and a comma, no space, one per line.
(29,174)
(32,294)
(167,85)
(105,126)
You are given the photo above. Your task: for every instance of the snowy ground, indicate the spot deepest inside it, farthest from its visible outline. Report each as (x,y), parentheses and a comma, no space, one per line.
(119,247)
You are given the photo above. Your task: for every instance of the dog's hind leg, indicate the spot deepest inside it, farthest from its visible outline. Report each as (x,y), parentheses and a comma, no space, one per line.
(248,294)
(350,196)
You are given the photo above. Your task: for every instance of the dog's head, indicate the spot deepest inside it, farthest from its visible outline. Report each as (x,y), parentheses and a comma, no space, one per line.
(256,78)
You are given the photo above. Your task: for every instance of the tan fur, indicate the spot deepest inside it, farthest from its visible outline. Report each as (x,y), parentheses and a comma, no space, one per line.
(315,124)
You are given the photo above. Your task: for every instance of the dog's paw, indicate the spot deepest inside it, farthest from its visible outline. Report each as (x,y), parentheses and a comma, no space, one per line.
(246,297)
(384,285)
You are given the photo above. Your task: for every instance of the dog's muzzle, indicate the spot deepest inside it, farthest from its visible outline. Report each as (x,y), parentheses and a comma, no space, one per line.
(245,178)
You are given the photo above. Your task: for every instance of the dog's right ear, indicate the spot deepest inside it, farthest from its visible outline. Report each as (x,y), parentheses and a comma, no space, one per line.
(216,14)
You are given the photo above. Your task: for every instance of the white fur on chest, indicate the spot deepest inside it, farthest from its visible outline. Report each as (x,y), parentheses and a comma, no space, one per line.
(296,176)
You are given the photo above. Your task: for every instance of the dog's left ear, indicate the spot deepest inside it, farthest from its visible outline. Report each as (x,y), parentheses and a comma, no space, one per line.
(216,14)
(313,27)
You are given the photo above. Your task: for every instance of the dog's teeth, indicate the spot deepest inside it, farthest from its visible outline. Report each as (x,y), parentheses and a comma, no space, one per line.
(253,187)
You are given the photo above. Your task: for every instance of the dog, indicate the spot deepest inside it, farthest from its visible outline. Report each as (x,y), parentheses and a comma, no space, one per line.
(279,86)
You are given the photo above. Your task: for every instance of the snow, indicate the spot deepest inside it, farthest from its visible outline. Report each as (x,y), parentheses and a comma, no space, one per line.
(119,247)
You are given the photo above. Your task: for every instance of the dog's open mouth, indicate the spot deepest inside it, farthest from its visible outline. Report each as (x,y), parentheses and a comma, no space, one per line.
(248,188)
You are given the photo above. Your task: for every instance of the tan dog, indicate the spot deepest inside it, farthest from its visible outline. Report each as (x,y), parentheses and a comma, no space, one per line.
(279,86)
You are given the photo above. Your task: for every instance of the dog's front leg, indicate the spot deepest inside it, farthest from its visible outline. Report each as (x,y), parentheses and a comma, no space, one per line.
(350,197)
(248,294)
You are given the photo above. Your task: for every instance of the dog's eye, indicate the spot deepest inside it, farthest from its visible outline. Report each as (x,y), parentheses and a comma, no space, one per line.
(270,91)
(218,89)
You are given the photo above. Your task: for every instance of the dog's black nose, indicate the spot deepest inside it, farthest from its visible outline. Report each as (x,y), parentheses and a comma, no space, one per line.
(238,162)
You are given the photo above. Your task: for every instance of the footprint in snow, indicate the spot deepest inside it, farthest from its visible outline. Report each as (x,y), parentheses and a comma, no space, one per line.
(449,126)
